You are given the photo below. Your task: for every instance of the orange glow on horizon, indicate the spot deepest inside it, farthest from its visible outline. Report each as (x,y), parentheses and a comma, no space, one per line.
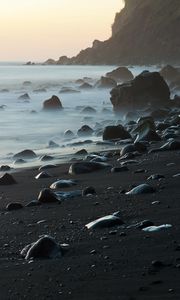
(37,30)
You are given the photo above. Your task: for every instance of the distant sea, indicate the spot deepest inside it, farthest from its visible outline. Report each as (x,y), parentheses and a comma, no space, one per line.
(23,125)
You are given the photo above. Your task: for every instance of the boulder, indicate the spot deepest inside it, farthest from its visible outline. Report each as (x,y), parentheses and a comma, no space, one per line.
(115,132)
(120,74)
(106,82)
(87,167)
(25,154)
(145,131)
(147,89)
(88,110)
(24,97)
(85,130)
(53,103)
(7,179)
(47,196)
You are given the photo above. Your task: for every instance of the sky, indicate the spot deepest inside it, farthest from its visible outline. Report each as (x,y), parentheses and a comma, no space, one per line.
(35,30)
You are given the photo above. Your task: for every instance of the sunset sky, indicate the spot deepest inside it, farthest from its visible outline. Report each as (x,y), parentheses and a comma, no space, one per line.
(39,29)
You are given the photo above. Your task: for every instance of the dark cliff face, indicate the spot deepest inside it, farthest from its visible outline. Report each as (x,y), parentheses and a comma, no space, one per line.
(144,32)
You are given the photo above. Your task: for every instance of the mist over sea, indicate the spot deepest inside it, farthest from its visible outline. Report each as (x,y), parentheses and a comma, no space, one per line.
(23,124)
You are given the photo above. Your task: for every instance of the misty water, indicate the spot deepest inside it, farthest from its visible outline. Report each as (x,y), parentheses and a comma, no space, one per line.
(23,124)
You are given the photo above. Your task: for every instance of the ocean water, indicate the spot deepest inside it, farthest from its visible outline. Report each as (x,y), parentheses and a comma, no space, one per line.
(23,124)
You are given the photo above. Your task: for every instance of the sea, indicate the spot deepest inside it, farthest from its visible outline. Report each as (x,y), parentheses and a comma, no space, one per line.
(23,123)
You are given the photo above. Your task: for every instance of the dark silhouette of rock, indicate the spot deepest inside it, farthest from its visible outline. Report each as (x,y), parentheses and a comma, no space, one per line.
(7,179)
(5,168)
(90,190)
(53,103)
(81,152)
(147,89)
(87,167)
(115,132)
(25,154)
(120,74)
(85,86)
(68,134)
(66,90)
(14,206)
(24,97)
(44,248)
(106,82)
(85,130)
(47,196)
(145,131)
(52,144)
(88,110)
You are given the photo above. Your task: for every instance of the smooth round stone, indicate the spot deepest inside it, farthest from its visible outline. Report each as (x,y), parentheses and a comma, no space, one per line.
(105,222)
(87,167)
(43,175)
(90,190)
(47,196)
(25,154)
(44,248)
(63,183)
(14,206)
(7,179)
(141,189)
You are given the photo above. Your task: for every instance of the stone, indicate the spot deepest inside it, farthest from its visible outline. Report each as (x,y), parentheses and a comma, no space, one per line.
(119,169)
(106,82)
(67,90)
(43,175)
(105,222)
(7,179)
(81,152)
(88,110)
(68,134)
(44,248)
(90,190)
(157,228)
(38,91)
(147,89)
(141,189)
(52,144)
(53,103)
(87,167)
(85,86)
(145,132)
(24,97)
(63,183)
(25,154)
(85,130)
(47,196)
(120,74)
(115,132)
(14,206)
(5,168)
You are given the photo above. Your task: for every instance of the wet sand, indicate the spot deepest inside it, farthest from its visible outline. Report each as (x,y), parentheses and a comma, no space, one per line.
(110,263)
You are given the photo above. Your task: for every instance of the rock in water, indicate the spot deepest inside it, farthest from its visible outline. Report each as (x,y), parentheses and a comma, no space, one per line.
(115,132)
(45,248)
(104,222)
(85,130)
(53,103)
(24,97)
(87,167)
(147,89)
(141,189)
(120,74)
(106,82)
(25,154)
(47,196)
(7,179)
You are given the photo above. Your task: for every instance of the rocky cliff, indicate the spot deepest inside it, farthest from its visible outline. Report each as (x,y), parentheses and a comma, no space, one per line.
(143,32)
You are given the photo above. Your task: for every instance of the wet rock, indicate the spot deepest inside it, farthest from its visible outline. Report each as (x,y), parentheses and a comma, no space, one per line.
(90,190)
(25,154)
(5,168)
(81,152)
(105,222)
(38,91)
(24,97)
(88,110)
(53,103)
(46,157)
(145,132)
(63,183)
(106,82)
(67,90)
(115,132)
(171,145)
(147,89)
(14,206)
(127,149)
(157,228)
(7,179)
(119,169)
(85,130)
(87,167)
(52,144)
(19,161)
(85,86)
(47,196)
(44,248)
(45,167)
(141,189)
(68,134)
(156,177)
(120,74)
(43,175)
